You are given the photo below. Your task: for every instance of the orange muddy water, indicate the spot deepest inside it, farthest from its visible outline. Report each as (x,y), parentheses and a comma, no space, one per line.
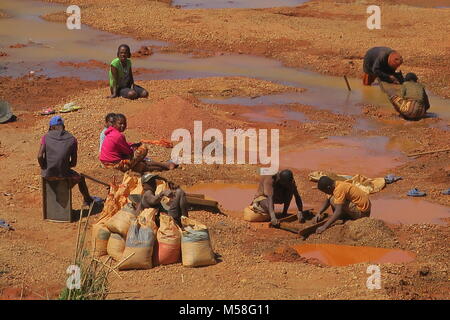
(369,156)
(342,255)
(409,211)
(231,197)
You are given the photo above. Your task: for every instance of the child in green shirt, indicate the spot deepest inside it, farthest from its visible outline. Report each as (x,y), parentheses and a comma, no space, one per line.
(121,80)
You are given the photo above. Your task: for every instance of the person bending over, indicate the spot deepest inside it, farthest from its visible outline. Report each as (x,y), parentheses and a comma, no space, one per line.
(279,188)
(177,205)
(347,201)
(381,62)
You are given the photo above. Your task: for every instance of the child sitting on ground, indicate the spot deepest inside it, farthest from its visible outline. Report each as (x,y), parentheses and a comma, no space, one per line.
(121,80)
(117,153)
(109,120)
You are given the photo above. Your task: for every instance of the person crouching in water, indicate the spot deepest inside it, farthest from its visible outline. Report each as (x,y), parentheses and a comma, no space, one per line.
(176,207)
(347,201)
(412,103)
(117,153)
(121,80)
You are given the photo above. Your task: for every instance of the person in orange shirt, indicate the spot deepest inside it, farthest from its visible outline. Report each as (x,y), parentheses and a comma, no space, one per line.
(347,201)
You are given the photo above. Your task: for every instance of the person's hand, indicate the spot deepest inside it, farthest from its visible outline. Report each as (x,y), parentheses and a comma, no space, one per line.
(136,145)
(275,222)
(321,229)
(167,193)
(319,217)
(394,79)
(111,97)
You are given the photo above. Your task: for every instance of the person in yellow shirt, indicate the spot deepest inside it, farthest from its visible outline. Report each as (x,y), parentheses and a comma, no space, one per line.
(347,201)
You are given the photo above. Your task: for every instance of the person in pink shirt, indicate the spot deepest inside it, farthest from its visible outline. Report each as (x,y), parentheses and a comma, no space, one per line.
(119,154)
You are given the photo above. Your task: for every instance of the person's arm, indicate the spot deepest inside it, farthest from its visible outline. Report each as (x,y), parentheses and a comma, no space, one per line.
(382,71)
(299,203)
(74,155)
(152,200)
(268,191)
(403,92)
(337,214)
(122,146)
(41,157)
(135,145)
(131,78)
(319,217)
(325,206)
(298,199)
(114,86)
(426,101)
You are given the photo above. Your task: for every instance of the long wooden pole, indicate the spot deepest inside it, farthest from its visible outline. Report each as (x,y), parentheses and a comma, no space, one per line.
(427,152)
(348,84)
(93,179)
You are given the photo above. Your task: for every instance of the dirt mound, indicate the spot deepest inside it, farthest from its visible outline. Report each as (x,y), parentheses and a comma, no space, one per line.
(288,254)
(89,64)
(144,51)
(17,45)
(361,232)
(160,119)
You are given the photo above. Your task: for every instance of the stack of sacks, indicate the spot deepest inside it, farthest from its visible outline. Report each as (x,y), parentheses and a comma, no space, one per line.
(137,241)
(115,201)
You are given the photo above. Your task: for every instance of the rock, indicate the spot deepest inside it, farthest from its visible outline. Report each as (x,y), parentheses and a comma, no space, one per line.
(424,271)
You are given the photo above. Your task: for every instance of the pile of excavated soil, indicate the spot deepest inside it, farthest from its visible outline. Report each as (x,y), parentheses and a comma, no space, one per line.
(288,254)
(171,113)
(361,232)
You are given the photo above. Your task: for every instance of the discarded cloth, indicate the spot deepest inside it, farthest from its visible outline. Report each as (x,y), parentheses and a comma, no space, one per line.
(416,193)
(446,192)
(163,143)
(69,107)
(366,184)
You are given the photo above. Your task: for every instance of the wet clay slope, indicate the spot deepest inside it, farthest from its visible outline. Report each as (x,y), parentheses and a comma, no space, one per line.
(299,36)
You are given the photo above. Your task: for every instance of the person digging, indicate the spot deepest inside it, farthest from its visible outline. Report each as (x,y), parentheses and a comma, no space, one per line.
(279,188)
(347,201)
